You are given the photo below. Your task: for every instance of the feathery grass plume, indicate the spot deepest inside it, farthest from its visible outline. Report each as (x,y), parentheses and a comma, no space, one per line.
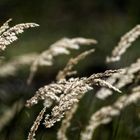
(61,135)
(62,46)
(119,80)
(12,66)
(53,90)
(48,93)
(9,35)
(106,113)
(68,99)
(5,26)
(72,95)
(62,75)
(125,42)
(66,94)
(67,71)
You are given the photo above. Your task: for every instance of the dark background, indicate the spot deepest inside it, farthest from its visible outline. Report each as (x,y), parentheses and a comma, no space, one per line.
(103,20)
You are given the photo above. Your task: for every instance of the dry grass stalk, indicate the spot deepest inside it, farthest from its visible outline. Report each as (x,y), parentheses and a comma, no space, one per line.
(11,67)
(63,95)
(125,42)
(67,71)
(62,46)
(9,35)
(66,122)
(66,94)
(67,100)
(61,135)
(36,124)
(51,91)
(106,114)
(120,80)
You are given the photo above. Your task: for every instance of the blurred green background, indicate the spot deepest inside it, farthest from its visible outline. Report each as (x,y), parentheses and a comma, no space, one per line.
(103,20)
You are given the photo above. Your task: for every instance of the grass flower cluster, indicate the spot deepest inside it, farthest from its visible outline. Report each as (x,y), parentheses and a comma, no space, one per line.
(61,97)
